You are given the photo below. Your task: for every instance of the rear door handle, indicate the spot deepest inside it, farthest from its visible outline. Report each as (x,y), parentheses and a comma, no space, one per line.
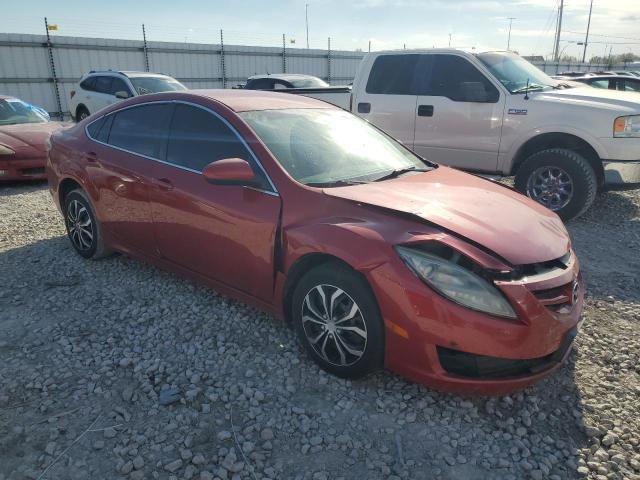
(425,110)
(364,107)
(164,184)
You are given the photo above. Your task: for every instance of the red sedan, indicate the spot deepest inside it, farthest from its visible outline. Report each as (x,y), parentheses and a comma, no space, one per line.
(24,133)
(376,256)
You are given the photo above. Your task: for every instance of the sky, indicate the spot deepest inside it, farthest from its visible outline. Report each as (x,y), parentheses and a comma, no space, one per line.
(351,24)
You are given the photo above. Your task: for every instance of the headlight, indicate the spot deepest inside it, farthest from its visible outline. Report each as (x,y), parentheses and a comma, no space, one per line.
(4,150)
(626,127)
(457,283)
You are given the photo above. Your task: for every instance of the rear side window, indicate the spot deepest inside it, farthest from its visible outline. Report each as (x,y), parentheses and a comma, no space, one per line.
(602,84)
(142,129)
(260,84)
(393,75)
(198,137)
(103,84)
(103,134)
(631,85)
(88,84)
(94,128)
(456,78)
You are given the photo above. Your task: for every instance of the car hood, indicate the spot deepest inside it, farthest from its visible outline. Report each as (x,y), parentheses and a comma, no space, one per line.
(625,102)
(28,135)
(492,215)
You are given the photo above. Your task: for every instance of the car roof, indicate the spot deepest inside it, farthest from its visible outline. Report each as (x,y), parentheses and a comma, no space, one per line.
(126,73)
(247,100)
(281,76)
(4,97)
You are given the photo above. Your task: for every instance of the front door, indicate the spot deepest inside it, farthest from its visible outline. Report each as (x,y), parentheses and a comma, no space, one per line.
(459,114)
(225,232)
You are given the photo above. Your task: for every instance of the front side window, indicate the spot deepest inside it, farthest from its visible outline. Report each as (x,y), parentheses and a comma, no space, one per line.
(327,147)
(456,78)
(393,75)
(142,129)
(604,83)
(146,85)
(14,111)
(514,72)
(631,85)
(198,138)
(118,85)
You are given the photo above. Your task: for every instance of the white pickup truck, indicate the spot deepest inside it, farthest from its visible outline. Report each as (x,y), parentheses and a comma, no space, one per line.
(495,113)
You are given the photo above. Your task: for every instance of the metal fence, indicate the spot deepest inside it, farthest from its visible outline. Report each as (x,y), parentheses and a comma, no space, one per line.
(43,70)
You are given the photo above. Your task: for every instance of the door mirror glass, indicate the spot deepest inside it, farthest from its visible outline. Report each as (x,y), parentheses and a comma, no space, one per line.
(229,171)
(122,94)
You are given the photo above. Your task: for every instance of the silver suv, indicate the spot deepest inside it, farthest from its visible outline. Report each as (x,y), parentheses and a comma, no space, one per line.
(97,90)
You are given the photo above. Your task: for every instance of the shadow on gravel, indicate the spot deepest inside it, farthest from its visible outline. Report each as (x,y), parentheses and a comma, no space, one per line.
(12,188)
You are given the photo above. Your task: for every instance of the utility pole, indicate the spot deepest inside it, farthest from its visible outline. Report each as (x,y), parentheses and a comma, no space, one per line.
(586,39)
(556,49)
(511,19)
(449,40)
(306,21)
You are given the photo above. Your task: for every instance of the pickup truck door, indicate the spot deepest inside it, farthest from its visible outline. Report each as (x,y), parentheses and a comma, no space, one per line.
(388,100)
(459,114)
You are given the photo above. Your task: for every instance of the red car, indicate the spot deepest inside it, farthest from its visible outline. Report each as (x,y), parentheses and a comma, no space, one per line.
(23,136)
(376,256)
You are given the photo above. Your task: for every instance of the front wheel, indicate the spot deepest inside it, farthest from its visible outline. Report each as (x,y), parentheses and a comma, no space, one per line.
(560,179)
(337,321)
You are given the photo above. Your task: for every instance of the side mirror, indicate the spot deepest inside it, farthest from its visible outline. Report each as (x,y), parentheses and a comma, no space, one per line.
(122,94)
(229,171)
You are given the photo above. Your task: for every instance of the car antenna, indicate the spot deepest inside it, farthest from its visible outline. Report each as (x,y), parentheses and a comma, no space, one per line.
(526,91)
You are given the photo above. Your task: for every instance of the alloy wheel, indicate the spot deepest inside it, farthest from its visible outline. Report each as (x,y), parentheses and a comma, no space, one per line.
(333,325)
(79,225)
(551,187)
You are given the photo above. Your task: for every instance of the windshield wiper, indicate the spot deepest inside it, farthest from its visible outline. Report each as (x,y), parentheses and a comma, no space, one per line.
(532,86)
(335,183)
(398,172)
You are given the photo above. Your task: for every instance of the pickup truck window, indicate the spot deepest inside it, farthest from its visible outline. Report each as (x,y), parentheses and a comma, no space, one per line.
(514,72)
(393,75)
(456,78)
(330,147)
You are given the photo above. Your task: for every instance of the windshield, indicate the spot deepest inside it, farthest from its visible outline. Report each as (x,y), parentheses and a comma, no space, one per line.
(514,71)
(14,111)
(310,82)
(145,85)
(327,147)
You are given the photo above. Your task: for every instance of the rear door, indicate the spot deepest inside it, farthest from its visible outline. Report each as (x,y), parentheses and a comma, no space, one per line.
(127,144)
(459,114)
(224,232)
(389,98)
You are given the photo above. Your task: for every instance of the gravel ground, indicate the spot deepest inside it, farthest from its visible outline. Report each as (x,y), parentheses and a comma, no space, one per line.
(115,369)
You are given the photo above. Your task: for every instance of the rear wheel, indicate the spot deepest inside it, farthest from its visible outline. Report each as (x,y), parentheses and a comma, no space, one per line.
(82,226)
(337,321)
(560,179)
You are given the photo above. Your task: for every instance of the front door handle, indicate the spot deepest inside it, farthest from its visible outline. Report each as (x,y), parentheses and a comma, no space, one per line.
(164,184)
(425,110)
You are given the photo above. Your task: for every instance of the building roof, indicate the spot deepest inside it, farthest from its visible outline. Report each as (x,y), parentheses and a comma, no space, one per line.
(246,100)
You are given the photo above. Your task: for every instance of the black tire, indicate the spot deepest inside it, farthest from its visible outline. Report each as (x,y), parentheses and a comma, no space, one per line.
(566,164)
(81,113)
(83,228)
(331,277)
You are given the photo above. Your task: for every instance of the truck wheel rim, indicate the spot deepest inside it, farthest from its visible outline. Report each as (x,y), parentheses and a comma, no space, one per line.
(551,187)
(334,325)
(79,225)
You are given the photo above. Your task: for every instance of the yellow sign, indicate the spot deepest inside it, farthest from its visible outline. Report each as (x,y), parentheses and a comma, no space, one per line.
(52,27)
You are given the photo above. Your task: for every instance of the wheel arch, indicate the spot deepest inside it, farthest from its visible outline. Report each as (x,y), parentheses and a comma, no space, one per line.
(66,186)
(545,141)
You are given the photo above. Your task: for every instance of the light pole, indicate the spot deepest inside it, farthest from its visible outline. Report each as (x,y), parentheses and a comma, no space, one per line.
(449,40)
(586,38)
(306,21)
(511,19)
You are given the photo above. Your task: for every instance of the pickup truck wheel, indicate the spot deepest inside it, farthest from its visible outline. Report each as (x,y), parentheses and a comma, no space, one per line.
(338,322)
(560,179)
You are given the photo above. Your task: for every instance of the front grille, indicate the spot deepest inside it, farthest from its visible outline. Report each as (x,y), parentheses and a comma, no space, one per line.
(481,367)
(557,297)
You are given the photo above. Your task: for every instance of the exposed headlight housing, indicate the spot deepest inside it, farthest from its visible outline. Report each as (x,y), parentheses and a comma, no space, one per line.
(627,127)
(4,150)
(456,282)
